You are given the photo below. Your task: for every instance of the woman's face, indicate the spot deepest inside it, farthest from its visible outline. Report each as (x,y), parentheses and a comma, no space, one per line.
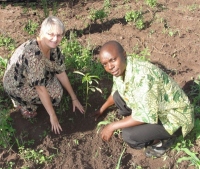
(52,37)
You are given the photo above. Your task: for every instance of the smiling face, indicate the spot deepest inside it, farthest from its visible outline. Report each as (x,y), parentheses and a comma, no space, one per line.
(51,32)
(52,37)
(113,59)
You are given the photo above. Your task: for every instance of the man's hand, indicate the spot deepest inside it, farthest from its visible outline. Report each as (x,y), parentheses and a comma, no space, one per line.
(107,132)
(97,114)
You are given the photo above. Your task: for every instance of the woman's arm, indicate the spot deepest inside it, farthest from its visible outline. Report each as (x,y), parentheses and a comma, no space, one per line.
(46,101)
(63,78)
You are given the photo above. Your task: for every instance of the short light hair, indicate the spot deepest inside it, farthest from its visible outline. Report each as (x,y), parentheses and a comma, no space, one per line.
(49,22)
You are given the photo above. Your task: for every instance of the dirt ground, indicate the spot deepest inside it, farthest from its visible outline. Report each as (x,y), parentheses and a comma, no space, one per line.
(172,35)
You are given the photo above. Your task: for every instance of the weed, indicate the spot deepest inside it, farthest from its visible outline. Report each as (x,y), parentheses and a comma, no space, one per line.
(55,7)
(3,64)
(79,58)
(151,3)
(7,42)
(100,14)
(33,5)
(3,5)
(142,55)
(6,129)
(31,27)
(10,165)
(25,10)
(45,8)
(43,135)
(192,7)
(111,117)
(106,4)
(136,17)
(76,142)
(36,156)
(120,158)
(64,105)
(102,123)
(195,95)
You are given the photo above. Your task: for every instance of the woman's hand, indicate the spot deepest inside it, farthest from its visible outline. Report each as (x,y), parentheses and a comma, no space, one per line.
(55,126)
(77,104)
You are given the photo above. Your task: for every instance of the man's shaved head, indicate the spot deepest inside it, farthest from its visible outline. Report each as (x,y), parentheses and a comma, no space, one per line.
(110,46)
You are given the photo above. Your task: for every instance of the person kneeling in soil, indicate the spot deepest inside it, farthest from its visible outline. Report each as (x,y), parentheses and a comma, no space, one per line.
(36,71)
(154,106)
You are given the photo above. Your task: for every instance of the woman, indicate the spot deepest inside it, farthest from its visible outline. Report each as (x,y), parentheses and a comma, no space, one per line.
(35,71)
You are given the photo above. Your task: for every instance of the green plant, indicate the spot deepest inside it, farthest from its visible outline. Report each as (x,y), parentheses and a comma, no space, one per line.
(31,27)
(111,117)
(120,158)
(6,129)
(192,7)
(7,42)
(102,123)
(106,4)
(36,156)
(20,140)
(100,14)
(151,3)
(195,94)
(55,7)
(76,142)
(3,5)
(142,55)
(184,145)
(3,64)
(191,157)
(89,79)
(45,8)
(136,17)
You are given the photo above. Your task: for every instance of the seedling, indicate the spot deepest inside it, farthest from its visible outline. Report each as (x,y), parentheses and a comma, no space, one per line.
(76,142)
(89,79)
(151,3)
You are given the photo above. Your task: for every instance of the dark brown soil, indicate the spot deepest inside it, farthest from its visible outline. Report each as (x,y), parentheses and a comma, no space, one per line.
(172,35)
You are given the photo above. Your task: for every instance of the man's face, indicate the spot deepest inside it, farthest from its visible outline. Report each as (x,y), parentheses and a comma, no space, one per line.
(113,62)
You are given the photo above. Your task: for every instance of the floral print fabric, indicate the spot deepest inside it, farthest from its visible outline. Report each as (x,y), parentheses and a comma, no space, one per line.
(28,68)
(153,95)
